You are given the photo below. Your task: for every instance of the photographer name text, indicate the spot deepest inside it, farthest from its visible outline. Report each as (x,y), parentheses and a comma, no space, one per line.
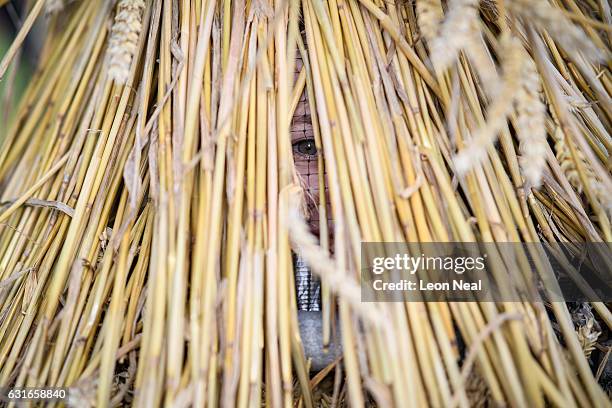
(421,285)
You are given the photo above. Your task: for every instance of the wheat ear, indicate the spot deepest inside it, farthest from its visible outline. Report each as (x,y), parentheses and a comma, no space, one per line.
(588,336)
(569,168)
(305,244)
(551,19)
(123,42)
(429,15)
(531,128)
(498,110)
(458,31)
(54,6)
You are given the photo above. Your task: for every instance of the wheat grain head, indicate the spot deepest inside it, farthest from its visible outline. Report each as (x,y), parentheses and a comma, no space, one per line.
(54,6)
(511,52)
(546,17)
(530,123)
(429,16)
(123,42)
(458,31)
(570,169)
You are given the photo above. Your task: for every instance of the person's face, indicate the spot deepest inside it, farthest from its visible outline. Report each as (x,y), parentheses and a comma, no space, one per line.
(305,156)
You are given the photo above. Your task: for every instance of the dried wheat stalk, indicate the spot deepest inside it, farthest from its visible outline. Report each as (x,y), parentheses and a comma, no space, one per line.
(146,245)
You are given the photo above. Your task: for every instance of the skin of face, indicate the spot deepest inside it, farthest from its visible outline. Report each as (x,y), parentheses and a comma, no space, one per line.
(306,157)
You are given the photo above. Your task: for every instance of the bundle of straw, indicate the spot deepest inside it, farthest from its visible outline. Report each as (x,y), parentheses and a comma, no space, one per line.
(150,203)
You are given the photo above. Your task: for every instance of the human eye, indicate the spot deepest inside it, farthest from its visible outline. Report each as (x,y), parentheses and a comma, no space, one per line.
(305,147)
